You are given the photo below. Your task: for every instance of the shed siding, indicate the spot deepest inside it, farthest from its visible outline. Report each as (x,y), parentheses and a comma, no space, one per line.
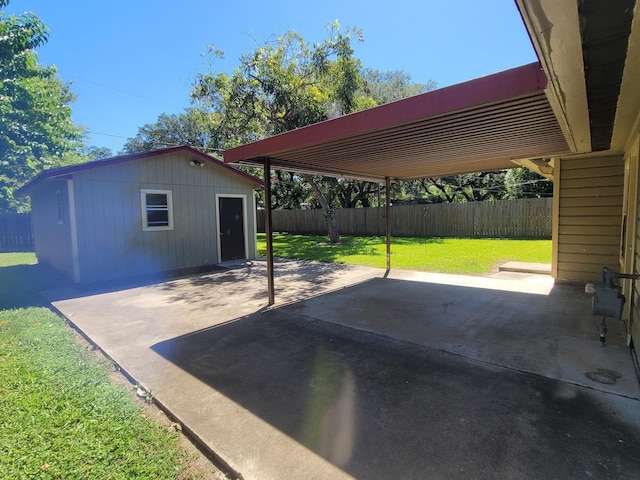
(111,242)
(589,222)
(52,239)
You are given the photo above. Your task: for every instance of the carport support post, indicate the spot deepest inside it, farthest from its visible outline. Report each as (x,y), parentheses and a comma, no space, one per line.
(268,230)
(388,226)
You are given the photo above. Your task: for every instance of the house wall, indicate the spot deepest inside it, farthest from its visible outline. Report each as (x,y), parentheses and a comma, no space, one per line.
(52,239)
(632,288)
(588,201)
(111,242)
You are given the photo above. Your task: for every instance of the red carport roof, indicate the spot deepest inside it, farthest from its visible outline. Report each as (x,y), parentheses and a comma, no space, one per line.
(480,125)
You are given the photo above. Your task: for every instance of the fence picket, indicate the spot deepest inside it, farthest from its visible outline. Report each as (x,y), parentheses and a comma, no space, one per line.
(15,232)
(522,218)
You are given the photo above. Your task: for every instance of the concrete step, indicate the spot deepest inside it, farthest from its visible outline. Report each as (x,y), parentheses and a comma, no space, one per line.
(526,267)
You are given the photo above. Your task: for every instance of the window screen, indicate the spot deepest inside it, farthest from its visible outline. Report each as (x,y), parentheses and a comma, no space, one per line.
(157,211)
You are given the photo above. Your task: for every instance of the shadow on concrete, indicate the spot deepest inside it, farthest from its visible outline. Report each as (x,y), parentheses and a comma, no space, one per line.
(302,279)
(194,286)
(379,407)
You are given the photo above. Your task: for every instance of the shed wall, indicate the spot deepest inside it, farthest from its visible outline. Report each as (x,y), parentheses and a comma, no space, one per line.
(52,239)
(589,209)
(111,242)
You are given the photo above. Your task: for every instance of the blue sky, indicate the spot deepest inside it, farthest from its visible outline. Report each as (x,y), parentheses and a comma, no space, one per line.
(130,60)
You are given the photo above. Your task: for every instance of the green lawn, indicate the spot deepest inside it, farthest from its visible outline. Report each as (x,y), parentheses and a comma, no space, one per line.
(61,416)
(447,255)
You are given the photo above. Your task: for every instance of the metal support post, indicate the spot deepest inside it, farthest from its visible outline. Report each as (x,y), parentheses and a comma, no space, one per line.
(268,230)
(388,227)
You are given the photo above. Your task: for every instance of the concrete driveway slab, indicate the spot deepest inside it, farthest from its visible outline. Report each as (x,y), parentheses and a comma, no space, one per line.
(356,375)
(527,324)
(376,408)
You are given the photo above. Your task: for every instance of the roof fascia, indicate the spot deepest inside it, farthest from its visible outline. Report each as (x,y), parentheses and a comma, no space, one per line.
(554,30)
(71,169)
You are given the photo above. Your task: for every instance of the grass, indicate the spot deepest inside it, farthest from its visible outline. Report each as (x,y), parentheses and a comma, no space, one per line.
(446,255)
(17,258)
(61,415)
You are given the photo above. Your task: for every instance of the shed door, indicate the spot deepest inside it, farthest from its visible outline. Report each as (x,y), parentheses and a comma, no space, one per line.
(231,220)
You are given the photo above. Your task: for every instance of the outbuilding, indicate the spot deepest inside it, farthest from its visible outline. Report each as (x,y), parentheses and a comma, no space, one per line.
(142,214)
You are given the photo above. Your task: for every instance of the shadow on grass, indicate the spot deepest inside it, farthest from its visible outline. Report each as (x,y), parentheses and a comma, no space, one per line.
(20,285)
(318,248)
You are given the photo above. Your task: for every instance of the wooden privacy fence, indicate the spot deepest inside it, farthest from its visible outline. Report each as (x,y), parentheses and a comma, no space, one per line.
(523,218)
(15,232)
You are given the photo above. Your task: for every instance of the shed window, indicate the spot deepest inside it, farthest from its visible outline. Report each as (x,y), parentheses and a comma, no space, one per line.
(59,207)
(157,210)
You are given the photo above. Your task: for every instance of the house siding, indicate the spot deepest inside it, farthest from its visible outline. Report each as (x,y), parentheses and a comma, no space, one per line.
(589,198)
(633,325)
(111,242)
(52,239)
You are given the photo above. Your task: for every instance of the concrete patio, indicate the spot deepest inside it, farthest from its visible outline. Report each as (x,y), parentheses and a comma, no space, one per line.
(358,374)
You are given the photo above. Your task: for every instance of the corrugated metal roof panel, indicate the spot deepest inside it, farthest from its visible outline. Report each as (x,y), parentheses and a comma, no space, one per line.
(486,131)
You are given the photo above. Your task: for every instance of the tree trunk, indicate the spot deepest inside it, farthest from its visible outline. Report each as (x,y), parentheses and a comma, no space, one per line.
(329,213)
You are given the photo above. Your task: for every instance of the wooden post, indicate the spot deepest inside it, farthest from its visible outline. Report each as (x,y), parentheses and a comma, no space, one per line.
(388,227)
(268,230)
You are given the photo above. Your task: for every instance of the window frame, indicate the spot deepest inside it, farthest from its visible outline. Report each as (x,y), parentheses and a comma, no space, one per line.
(145,210)
(59,205)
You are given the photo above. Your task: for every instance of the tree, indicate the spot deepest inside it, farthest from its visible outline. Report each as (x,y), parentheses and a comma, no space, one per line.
(385,87)
(468,187)
(288,190)
(97,153)
(284,85)
(524,183)
(36,130)
(193,127)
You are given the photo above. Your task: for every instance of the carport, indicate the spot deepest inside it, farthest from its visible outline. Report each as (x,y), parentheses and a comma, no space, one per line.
(407,374)
(491,123)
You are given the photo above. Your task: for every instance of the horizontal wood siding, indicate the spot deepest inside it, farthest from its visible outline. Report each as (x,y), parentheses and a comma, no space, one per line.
(526,218)
(111,242)
(634,185)
(590,217)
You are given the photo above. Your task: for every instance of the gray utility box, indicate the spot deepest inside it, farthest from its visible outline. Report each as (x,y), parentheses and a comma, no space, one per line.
(608,299)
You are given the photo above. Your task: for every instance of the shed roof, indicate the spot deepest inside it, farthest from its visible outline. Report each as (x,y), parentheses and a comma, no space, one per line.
(480,125)
(71,169)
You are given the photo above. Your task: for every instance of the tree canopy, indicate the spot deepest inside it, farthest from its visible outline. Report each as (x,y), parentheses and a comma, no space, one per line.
(36,129)
(287,83)
(193,127)
(284,84)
